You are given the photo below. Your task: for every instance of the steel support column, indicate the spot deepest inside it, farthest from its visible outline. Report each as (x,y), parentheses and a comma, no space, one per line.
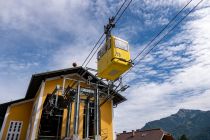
(76,113)
(87,118)
(63,88)
(58,128)
(56,96)
(68,122)
(96,115)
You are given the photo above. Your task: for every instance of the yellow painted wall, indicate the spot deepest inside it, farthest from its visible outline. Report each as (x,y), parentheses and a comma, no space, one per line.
(49,88)
(19,112)
(106,112)
(81,112)
(63,127)
(33,113)
(106,121)
(30,111)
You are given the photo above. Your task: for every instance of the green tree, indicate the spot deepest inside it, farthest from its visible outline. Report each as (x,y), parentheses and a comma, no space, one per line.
(183,137)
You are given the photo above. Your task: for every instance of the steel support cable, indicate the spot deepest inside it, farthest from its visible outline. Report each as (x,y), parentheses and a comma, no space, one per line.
(105,38)
(101,38)
(158,43)
(79,71)
(118,11)
(120,8)
(162,30)
(94,52)
(93,49)
(164,37)
(111,27)
(110,95)
(123,11)
(89,55)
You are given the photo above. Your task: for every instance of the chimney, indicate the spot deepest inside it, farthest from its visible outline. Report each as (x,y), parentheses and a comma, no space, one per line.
(133,133)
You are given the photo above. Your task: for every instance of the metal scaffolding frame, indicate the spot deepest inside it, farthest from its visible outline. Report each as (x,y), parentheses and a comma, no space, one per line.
(76,113)
(95,96)
(68,119)
(87,119)
(96,115)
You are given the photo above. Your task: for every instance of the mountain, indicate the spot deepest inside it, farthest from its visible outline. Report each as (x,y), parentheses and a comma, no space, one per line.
(195,124)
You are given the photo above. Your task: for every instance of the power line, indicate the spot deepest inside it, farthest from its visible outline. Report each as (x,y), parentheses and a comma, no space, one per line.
(164,36)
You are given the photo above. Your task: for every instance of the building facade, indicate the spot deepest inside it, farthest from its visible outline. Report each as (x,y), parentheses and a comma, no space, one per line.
(63,104)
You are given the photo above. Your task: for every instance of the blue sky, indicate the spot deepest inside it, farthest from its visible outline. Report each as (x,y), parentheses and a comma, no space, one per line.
(38,36)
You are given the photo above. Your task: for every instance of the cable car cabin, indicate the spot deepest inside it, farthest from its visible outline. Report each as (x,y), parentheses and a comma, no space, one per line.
(113,58)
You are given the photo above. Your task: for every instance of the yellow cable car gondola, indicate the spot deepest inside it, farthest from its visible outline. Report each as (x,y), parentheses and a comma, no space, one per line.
(113,58)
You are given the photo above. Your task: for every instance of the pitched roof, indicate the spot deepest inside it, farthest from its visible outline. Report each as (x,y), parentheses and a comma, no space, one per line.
(153,134)
(37,79)
(3,107)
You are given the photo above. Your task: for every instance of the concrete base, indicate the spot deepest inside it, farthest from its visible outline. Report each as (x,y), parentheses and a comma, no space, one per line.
(97,137)
(75,137)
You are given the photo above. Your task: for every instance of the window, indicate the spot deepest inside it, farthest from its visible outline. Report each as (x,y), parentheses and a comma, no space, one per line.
(121,44)
(14,130)
(103,49)
(91,121)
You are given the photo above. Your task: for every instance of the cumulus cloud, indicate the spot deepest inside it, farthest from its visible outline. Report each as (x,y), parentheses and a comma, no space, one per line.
(43,35)
(186,87)
(39,36)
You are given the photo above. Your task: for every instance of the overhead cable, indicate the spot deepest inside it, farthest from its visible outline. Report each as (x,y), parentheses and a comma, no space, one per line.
(162,38)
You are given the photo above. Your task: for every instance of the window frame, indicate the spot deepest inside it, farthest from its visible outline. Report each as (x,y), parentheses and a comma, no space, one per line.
(14,130)
(105,47)
(123,41)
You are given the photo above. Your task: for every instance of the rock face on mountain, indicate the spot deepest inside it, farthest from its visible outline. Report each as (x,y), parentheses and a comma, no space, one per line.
(195,124)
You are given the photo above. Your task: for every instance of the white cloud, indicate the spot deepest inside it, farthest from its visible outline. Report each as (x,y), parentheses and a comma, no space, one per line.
(43,20)
(13,87)
(187,87)
(73,53)
(83,21)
